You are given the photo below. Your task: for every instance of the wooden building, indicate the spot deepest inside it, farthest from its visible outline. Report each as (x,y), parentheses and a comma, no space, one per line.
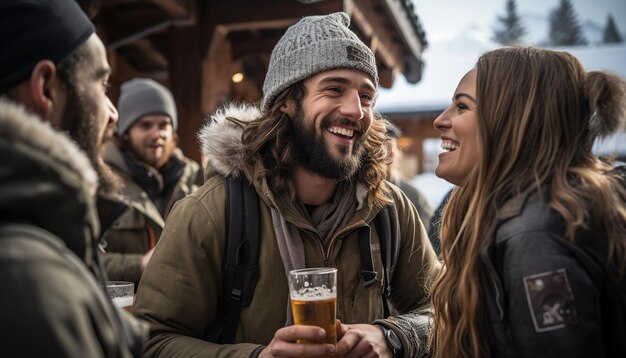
(416,127)
(209,52)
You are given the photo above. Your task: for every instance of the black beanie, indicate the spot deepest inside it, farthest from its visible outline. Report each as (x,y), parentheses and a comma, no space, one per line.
(35,30)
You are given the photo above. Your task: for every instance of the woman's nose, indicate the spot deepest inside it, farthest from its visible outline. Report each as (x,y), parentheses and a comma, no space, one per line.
(442,121)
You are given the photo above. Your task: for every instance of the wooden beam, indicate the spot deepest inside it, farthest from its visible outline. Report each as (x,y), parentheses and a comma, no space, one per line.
(386,76)
(130,25)
(254,45)
(185,85)
(371,24)
(154,55)
(234,12)
(216,75)
(405,26)
(182,11)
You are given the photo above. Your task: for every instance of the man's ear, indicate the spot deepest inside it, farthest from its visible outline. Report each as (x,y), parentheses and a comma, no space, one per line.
(289,107)
(45,92)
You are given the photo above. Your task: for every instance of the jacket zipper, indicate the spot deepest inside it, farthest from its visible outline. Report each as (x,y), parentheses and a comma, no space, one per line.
(326,253)
(330,247)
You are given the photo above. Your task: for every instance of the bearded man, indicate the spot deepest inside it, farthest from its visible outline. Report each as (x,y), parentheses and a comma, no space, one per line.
(54,116)
(316,158)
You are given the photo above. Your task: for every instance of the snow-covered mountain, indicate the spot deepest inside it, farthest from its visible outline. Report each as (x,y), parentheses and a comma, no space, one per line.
(448,58)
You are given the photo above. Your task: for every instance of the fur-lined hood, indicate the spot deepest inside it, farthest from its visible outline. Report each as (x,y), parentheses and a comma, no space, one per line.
(45,179)
(221,144)
(220,138)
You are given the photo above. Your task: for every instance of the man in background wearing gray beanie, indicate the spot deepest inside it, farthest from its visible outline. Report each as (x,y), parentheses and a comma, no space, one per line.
(155,174)
(315,155)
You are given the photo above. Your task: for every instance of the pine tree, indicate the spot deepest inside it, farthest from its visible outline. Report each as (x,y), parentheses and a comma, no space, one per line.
(565,30)
(611,34)
(511,29)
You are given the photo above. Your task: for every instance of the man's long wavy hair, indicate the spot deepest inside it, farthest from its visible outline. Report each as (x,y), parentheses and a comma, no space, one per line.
(538,113)
(271,137)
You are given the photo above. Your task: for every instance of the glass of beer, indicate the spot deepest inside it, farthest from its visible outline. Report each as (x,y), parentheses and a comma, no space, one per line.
(121,293)
(313,293)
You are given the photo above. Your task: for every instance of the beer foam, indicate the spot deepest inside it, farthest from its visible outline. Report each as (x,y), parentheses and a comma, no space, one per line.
(314,293)
(121,302)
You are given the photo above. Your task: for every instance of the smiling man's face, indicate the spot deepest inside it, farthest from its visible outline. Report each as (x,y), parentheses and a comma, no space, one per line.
(332,121)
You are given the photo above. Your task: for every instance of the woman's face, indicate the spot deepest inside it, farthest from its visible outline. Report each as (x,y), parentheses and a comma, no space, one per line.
(457,125)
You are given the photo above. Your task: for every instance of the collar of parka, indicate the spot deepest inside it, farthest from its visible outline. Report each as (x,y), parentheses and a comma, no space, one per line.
(46,179)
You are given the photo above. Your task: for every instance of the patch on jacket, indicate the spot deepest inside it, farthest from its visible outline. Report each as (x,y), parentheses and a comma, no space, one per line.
(550,300)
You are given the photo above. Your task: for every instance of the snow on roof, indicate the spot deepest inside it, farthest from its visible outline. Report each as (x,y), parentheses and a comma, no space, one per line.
(445,67)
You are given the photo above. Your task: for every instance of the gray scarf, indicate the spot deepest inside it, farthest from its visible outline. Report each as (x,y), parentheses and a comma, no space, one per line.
(327,218)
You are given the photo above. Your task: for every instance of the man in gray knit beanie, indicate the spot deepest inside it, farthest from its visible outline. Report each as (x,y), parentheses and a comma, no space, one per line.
(144,96)
(313,45)
(314,154)
(155,172)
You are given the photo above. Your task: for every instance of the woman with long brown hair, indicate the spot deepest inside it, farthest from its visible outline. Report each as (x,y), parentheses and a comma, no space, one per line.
(534,236)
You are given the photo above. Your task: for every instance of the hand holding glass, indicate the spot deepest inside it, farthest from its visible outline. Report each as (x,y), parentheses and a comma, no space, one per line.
(313,293)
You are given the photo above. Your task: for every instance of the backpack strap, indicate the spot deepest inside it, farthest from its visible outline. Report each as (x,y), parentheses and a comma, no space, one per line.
(387,224)
(365,252)
(240,272)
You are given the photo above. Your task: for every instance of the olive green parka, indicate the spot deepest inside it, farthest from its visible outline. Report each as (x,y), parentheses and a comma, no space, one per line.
(53,301)
(181,289)
(130,235)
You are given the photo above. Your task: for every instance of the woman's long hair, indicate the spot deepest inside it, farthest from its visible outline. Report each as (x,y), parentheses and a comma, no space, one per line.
(538,114)
(272,135)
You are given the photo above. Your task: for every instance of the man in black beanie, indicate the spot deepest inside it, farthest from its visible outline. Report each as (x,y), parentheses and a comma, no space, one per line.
(54,114)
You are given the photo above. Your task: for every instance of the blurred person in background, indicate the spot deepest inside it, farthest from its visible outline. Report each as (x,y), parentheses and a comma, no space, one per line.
(154,171)
(394,156)
(435,223)
(54,115)
(533,237)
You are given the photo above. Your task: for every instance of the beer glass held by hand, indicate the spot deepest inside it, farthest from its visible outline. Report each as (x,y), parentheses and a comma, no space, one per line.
(313,293)
(121,293)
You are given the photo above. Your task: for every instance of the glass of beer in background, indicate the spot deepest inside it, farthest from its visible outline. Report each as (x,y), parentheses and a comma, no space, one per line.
(313,293)
(121,293)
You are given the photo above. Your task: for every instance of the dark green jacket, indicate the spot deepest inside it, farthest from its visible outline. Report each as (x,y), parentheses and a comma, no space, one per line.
(128,239)
(51,305)
(181,288)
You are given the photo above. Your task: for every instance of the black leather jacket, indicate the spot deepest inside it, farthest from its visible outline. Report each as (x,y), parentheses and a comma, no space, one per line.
(546,296)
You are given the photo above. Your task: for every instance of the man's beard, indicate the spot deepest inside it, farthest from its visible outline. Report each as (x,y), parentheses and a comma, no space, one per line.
(82,126)
(313,153)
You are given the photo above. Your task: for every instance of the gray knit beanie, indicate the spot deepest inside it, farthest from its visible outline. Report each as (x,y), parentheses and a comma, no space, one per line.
(143,96)
(315,44)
